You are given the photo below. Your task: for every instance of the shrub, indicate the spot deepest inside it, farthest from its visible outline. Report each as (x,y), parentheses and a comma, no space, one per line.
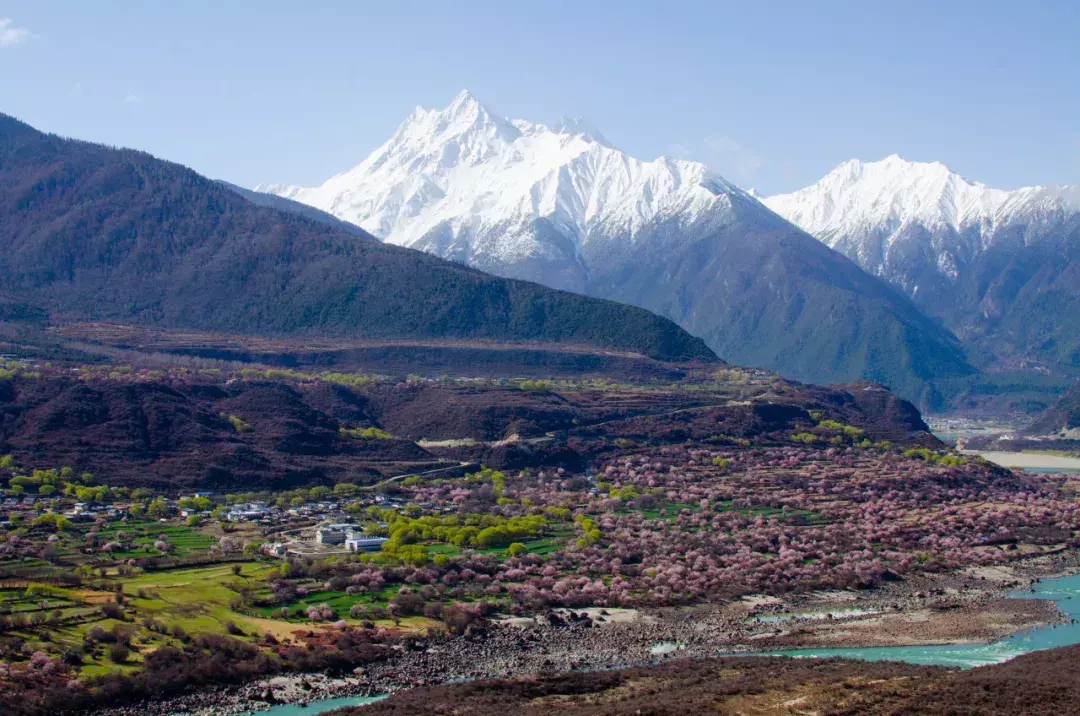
(112,610)
(371,433)
(239,425)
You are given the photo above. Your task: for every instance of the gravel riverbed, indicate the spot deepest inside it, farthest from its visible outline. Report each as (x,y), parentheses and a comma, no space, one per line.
(967,606)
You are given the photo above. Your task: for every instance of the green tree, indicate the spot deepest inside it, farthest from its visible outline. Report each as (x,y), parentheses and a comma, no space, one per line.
(346,489)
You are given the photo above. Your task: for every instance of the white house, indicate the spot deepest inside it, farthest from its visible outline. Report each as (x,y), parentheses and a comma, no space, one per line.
(328,535)
(359,542)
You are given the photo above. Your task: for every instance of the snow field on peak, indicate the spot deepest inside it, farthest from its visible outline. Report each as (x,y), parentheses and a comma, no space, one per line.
(893,194)
(463,177)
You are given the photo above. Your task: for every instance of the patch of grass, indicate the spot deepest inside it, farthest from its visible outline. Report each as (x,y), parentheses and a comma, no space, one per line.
(337,600)
(184,540)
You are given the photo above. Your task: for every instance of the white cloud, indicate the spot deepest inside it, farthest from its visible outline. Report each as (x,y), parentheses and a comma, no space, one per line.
(11,35)
(131,99)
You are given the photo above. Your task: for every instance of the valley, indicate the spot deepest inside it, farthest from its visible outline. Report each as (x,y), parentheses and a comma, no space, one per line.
(586,523)
(505,417)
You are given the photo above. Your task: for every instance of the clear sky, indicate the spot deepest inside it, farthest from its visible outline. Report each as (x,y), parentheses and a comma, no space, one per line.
(770,94)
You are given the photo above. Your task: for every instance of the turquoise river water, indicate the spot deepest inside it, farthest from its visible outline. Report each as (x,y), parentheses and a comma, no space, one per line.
(316,707)
(1063,590)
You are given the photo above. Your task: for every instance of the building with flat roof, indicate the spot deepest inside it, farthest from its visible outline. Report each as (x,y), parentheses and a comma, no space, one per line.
(326,535)
(359,542)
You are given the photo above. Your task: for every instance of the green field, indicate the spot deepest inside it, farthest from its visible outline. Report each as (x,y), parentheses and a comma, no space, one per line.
(185,541)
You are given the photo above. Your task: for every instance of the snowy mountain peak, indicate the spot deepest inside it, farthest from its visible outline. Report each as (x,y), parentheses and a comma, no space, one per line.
(582,126)
(466,183)
(465,120)
(925,228)
(465,100)
(893,194)
(466,111)
(887,194)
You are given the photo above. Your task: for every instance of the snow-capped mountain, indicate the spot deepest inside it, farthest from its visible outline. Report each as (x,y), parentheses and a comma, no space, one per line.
(866,209)
(514,197)
(562,206)
(878,201)
(976,257)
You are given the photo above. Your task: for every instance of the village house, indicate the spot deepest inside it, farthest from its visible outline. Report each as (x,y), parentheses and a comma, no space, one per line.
(276,549)
(248,512)
(330,536)
(360,542)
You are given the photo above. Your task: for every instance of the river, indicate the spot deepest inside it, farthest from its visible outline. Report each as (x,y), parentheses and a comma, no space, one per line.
(315,707)
(1063,590)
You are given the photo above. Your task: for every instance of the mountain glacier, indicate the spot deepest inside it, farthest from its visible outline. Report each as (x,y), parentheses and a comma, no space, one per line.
(562,206)
(867,211)
(513,197)
(998,267)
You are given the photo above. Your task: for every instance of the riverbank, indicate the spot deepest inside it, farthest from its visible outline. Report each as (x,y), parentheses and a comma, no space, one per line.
(1044,682)
(1023,460)
(970,606)
(256,696)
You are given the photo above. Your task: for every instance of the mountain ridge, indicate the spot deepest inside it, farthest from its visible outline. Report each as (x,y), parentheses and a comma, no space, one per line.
(999,268)
(282,204)
(96,233)
(897,192)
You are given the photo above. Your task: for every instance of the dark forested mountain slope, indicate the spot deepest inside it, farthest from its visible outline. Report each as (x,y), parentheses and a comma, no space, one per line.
(93,232)
(282,204)
(761,292)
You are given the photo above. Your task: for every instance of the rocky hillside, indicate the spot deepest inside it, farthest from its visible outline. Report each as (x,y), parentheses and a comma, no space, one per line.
(1062,420)
(179,428)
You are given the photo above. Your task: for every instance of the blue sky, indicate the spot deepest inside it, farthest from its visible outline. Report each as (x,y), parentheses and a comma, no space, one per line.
(770,94)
